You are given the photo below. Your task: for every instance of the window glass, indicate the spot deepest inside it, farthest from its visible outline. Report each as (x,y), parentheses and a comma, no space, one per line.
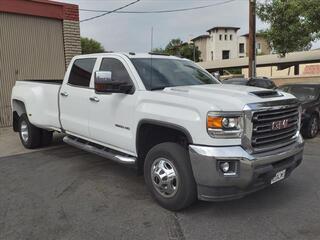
(241,48)
(118,70)
(81,72)
(304,93)
(160,73)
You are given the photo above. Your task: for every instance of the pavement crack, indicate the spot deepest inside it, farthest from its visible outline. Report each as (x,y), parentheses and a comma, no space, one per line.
(67,189)
(174,228)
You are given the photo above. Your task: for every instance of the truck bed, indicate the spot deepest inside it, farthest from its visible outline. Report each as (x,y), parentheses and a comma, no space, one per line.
(40,95)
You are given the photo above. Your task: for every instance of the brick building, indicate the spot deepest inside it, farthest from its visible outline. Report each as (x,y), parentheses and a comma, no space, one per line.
(38,38)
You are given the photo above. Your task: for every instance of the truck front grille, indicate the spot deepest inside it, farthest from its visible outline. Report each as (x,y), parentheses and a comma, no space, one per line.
(274,128)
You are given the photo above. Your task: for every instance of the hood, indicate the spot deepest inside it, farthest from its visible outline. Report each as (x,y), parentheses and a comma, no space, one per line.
(227,97)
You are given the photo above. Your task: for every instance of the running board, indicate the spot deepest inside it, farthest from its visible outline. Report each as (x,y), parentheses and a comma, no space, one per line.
(100,150)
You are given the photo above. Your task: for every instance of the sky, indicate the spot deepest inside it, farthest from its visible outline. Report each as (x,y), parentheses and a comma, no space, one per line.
(132,32)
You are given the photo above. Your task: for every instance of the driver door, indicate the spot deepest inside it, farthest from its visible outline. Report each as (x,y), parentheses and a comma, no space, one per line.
(111,114)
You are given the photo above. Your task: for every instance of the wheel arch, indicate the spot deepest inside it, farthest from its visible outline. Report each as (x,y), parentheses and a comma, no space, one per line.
(163,132)
(18,108)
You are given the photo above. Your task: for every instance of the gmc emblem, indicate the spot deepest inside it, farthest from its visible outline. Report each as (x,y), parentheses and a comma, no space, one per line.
(277,125)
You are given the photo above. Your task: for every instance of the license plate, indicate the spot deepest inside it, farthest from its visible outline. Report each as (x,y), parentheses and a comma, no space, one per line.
(279,176)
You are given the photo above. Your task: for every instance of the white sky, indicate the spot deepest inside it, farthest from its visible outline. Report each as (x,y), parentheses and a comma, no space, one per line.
(132,32)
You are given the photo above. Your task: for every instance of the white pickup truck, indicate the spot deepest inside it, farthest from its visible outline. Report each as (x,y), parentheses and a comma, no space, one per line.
(192,137)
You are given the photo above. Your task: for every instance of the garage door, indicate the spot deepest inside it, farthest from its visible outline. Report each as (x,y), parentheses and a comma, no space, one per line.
(30,48)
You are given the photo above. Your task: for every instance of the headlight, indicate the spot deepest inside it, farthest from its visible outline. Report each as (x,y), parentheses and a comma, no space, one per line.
(225,124)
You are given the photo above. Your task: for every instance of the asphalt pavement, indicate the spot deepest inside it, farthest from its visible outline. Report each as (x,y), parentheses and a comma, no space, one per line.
(65,193)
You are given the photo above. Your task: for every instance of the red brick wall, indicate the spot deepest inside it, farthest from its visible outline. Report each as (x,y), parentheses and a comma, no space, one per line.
(41,8)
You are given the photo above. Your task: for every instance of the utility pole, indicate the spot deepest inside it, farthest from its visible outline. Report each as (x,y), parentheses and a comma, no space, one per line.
(151,40)
(252,38)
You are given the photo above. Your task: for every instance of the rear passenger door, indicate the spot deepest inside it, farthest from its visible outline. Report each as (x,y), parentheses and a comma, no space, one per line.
(74,98)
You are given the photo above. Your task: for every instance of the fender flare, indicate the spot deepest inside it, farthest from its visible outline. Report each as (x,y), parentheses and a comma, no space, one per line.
(162,124)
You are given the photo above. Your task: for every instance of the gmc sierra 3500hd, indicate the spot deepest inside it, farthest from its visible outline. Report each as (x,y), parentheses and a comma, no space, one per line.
(192,137)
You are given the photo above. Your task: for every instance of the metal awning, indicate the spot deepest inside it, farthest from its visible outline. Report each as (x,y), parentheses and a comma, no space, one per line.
(265,60)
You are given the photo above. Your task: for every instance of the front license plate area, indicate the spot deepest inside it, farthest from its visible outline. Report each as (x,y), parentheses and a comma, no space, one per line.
(279,176)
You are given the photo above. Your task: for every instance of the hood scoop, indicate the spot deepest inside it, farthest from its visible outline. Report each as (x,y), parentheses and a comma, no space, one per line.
(266,94)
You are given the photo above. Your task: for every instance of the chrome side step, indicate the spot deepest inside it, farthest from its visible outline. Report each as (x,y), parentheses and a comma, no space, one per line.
(100,150)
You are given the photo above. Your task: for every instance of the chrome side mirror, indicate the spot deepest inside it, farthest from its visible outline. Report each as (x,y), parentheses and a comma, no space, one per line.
(103,83)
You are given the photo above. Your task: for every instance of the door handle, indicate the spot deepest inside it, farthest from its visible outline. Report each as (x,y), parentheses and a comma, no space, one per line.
(94,99)
(64,94)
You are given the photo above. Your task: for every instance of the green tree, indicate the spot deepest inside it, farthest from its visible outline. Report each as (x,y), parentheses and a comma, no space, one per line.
(158,50)
(293,24)
(89,45)
(176,47)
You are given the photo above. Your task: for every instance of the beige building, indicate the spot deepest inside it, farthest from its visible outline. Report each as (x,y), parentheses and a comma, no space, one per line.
(38,39)
(262,45)
(223,43)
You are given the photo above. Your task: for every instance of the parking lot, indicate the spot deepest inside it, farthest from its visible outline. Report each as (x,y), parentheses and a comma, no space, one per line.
(65,193)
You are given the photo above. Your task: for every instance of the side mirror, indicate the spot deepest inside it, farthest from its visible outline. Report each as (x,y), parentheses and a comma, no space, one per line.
(216,75)
(103,83)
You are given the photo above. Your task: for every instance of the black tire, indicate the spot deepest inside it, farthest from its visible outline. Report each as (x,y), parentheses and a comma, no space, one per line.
(34,133)
(186,191)
(46,137)
(312,127)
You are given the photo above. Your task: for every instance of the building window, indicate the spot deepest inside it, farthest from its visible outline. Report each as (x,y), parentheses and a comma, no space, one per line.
(226,30)
(226,37)
(241,48)
(220,37)
(225,54)
(230,37)
(258,45)
(211,55)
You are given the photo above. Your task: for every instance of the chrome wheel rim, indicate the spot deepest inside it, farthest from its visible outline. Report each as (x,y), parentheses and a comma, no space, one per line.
(314,127)
(24,131)
(165,177)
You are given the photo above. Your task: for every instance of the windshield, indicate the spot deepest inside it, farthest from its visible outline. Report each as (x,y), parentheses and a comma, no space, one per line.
(157,73)
(304,93)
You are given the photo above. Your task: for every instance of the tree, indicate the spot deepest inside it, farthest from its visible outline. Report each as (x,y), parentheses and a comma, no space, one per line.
(294,24)
(89,45)
(176,47)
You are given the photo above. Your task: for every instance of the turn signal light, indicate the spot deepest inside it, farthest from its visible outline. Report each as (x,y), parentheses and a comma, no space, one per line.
(214,122)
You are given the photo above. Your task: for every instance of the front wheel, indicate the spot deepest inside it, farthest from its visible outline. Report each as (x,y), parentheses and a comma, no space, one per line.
(168,175)
(312,128)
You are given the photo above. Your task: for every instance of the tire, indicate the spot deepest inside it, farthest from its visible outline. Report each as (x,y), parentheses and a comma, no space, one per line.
(312,128)
(30,135)
(46,137)
(181,191)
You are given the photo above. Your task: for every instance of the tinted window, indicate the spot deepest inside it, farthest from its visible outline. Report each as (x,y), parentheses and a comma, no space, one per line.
(304,93)
(157,73)
(81,72)
(119,72)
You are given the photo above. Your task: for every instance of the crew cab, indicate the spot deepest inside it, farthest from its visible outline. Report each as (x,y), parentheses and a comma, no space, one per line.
(191,136)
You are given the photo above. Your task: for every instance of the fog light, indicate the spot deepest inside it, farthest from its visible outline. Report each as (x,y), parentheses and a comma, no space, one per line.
(225,166)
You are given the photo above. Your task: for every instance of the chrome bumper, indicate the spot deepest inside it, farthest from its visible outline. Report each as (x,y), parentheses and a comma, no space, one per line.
(254,170)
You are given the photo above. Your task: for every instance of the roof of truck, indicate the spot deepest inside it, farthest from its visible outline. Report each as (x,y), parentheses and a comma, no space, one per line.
(130,55)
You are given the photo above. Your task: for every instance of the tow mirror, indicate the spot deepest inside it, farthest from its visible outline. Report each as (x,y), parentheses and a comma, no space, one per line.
(104,83)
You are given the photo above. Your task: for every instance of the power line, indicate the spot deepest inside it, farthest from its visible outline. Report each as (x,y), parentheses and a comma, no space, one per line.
(164,11)
(108,12)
